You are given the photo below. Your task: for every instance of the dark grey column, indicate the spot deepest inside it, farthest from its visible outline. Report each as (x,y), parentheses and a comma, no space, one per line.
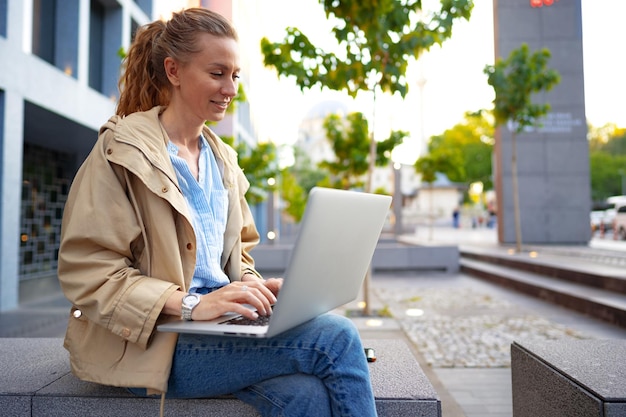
(553,159)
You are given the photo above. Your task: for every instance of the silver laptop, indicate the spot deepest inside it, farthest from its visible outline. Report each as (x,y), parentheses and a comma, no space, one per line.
(331,256)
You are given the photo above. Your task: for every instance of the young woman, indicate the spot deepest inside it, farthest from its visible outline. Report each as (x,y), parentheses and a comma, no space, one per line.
(156,227)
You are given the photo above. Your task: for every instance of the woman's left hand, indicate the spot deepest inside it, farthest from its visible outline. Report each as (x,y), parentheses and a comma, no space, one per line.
(273,284)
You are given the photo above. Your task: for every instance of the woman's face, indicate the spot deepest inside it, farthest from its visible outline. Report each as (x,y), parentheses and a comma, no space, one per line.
(207,84)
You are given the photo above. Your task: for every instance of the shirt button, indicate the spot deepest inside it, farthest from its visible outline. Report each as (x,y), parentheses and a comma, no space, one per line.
(77,314)
(109,151)
(189,246)
(164,189)
(126,332)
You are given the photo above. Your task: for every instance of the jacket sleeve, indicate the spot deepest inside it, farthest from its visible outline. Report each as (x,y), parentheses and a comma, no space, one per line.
(99,242)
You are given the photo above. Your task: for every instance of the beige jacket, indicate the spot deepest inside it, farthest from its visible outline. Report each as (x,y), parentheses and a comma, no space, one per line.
(127,244)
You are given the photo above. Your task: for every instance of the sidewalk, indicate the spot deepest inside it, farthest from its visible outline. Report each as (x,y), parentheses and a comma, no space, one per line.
(462,327)
(459,328)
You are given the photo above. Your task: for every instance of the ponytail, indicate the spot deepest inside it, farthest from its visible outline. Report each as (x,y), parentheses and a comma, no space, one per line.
(144,83)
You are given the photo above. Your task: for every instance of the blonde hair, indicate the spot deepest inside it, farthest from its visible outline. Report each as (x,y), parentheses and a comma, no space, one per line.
(144,83)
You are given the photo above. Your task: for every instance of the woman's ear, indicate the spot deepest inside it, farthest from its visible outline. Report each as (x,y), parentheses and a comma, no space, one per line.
(172,69)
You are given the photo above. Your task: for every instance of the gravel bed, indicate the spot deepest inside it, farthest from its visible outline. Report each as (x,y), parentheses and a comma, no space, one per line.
(464,328)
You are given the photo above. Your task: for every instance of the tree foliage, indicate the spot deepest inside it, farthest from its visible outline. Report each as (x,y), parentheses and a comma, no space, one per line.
(350,140)
(607,159)
(471,144)
(515,80)
(296,182)
(375,41)
(600,136)
(258,163)
(440,161)
(607,171)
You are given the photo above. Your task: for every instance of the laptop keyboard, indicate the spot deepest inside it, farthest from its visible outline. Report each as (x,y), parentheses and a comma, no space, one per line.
(244,321)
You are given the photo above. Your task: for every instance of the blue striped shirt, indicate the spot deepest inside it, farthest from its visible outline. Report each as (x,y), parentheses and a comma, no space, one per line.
(207,200)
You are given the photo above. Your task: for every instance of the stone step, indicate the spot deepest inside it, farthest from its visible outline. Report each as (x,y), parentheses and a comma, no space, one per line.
(566,267)
(603,304)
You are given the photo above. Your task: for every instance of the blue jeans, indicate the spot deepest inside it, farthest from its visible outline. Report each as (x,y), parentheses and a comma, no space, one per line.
(316,369)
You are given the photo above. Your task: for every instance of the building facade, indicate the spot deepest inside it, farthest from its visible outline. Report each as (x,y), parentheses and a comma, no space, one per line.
(58,85)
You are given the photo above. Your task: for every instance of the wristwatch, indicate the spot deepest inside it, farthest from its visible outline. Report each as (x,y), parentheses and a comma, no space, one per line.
(190,301)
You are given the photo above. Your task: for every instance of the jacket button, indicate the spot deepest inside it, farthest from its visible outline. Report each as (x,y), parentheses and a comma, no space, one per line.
(126,332)
(109,151)
(77,313)
(189,246)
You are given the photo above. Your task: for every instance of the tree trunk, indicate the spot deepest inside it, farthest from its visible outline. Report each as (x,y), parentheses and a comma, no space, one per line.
(368,188)
(516,207)
(431,214)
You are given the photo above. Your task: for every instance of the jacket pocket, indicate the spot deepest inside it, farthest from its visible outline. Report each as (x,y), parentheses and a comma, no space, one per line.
(91,344)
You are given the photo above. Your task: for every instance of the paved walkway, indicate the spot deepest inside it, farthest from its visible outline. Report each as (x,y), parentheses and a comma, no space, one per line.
(460,328)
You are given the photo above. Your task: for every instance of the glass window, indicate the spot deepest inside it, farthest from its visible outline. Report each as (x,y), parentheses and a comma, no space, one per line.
(44,13)
(3,18)
(96,36)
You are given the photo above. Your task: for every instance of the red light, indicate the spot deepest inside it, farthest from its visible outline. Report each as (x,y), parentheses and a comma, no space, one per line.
(541,3)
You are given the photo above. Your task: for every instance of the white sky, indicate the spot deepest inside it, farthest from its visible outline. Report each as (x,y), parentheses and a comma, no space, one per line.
(453,74)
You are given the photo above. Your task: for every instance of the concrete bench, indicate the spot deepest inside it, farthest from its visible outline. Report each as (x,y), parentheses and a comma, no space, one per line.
(388,256)
(569,378)
(36,381)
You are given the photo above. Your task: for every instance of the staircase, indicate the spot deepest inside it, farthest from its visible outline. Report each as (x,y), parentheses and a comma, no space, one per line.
(591,283)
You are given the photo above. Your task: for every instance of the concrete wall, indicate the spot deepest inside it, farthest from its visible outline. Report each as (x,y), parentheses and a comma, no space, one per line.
(553,160)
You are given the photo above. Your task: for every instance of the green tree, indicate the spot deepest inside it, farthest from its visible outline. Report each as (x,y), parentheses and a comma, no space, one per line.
(376,40)
(372,53)
(293,195)
(514,81)
(600,136)
(350,140)
(607,161)
(606,174)
(471,142)
(258,164)
(296,182)
(616,145)
(437,161)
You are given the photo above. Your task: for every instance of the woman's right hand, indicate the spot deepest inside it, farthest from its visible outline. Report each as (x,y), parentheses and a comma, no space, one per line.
(230,298)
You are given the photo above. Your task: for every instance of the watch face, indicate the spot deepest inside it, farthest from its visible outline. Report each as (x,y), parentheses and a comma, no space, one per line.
(190,300)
